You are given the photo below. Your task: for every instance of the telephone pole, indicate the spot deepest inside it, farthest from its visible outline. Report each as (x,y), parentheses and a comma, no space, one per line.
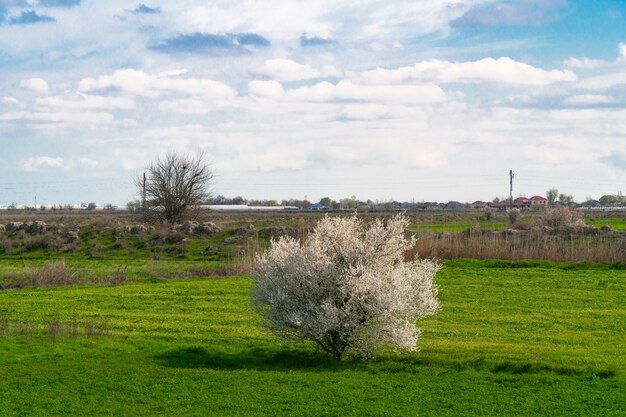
(511,188)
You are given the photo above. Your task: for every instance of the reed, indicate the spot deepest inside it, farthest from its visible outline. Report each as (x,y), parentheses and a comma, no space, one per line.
(518,245)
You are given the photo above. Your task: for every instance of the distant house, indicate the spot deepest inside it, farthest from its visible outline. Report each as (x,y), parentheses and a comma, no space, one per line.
(316,207)
(479,204)
(521,202)
(538,201)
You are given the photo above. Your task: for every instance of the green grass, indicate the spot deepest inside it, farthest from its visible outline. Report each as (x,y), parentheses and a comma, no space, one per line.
(454,226)
(134,269)
(612,222)
(536,339)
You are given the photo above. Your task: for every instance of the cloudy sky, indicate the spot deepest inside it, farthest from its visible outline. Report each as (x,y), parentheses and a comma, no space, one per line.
(381,99)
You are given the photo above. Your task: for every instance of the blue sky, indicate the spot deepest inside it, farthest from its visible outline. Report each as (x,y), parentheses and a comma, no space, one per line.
(423,100)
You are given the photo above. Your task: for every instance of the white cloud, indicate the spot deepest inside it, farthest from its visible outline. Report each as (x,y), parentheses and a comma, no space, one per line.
(37,85)
(38,163)
(614,70)
(60,119)
(127,80)
(613,75)
(85,101)
(590,99)
(174,72)
(88,162)
(287,70)
(601,82)
(10,101)
(428,157)
(129,164)
(194,87)
(382,46)
(585,63)
(174,137)
(347,90)
(139,83)
(380,111)
(622,52)
(589,63)
(190,106)
(500,71)
(368,19)
(261,88)
(364,112)
(397,45)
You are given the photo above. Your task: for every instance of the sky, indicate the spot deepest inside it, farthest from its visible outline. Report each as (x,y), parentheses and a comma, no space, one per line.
(409,100)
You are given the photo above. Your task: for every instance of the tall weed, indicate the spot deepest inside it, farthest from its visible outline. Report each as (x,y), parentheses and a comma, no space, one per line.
(518,245)
(52,274)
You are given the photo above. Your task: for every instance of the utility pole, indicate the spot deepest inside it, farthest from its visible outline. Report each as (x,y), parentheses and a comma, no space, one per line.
(143,195)
(511,188)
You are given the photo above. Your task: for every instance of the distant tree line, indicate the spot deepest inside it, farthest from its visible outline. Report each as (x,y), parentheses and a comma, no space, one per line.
(352,203)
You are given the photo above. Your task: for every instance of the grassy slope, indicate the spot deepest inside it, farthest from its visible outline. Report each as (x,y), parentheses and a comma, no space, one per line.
(525,341)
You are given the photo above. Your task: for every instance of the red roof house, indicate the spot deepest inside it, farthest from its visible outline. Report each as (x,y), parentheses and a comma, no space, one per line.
(521,202)
(538,200)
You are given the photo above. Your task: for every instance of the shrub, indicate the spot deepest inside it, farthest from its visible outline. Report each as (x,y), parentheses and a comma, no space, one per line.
(346,286)
(562,216)
(6,246)
(117,277)
(36,242)
(167,235)
(52,274)
(513,214)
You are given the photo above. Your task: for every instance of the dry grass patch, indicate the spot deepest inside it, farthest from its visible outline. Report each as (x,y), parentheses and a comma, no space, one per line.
(517,245)
(57,273)
(52,274)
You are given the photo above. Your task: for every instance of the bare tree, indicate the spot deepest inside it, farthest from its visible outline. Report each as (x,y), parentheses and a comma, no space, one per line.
(175,186)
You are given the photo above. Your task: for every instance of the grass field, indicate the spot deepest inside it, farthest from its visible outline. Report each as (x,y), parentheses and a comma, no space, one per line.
(613,223)
(512,339)
(452,226)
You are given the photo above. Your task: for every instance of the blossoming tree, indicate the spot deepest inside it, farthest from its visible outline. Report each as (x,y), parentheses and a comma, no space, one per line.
(346,286)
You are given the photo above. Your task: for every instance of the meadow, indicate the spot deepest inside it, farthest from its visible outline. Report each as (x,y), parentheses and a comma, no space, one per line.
(177,336)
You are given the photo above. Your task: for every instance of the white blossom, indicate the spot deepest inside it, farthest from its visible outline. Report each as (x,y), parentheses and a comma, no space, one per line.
(346,286)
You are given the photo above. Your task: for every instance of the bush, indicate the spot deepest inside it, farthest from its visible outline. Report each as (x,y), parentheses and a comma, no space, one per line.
(167,236)
(346,287)
(513,214)
(52,274)
(562,216)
